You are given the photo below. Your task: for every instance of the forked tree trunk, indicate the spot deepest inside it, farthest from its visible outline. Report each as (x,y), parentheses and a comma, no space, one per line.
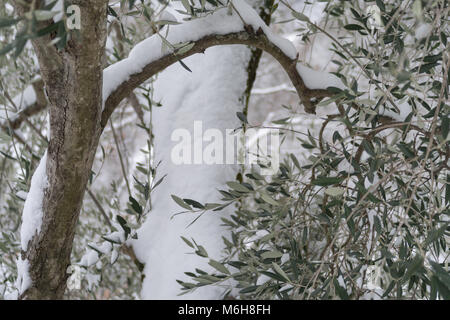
(73,81)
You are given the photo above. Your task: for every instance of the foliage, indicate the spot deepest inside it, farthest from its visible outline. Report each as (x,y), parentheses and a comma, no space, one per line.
(360,206)
(366,214)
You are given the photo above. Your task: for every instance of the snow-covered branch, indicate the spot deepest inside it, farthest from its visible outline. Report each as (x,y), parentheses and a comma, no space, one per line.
(238,24)
(30,102)
(275,89)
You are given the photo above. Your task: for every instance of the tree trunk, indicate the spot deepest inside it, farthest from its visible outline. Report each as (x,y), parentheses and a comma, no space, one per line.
(73,81)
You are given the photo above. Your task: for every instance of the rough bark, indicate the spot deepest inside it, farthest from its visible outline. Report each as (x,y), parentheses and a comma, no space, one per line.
(73,80)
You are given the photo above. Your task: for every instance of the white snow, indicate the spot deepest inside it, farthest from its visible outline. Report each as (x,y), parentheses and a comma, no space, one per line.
(423,30)
(22,194)
(104,248)
(405,110)
(219,23)
(117,236)
(269,90)
(92,279)
(58,7)
(31,220)
(252,18)
(374,13)
(314,79)
(21,101)
(89,259)
(167,16)
(26,98)
(23,281)
(187,97)
(32,209)
(9,8)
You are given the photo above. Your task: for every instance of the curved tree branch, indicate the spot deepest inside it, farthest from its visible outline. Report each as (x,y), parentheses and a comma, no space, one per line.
(247,36)
(29,110)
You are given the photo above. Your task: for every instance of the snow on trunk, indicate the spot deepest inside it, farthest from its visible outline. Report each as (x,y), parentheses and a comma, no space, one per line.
(23,281)
(315,79)
(211,94)
(31,220)
(32,209)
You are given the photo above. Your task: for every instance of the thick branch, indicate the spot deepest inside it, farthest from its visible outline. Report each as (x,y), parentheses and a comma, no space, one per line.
(248,37)
(74,91)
